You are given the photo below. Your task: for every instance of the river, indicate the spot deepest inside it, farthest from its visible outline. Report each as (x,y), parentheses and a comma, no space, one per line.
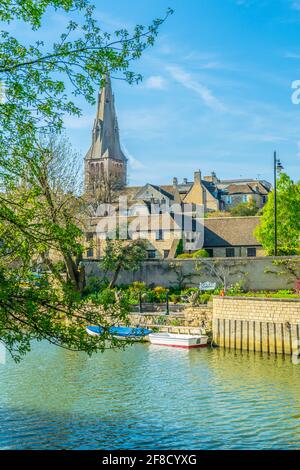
(149,397)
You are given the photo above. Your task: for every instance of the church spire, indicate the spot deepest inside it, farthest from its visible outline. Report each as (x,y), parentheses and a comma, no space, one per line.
(105,158)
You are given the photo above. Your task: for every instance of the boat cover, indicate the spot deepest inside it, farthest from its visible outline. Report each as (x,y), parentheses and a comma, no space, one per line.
(122,331)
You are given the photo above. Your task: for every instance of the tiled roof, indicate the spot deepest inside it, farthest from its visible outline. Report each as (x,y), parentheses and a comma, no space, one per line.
(249,188)
(239,189)
(230,231)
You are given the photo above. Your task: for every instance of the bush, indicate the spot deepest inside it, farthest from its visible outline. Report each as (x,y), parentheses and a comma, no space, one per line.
(179,249)
(235,289)
(150,296)
(200,254)
(106,297)
(197,254)
(160,293)
(175,298)
(134,291)
(185,256)
(94,286)
(189,290)
(138,286)
(205,298)
(245,209)
(280,294)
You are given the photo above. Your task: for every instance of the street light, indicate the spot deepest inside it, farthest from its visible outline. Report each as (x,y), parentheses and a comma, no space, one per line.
(277,169)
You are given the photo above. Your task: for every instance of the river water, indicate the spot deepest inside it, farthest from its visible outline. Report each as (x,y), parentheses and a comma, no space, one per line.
(149,397)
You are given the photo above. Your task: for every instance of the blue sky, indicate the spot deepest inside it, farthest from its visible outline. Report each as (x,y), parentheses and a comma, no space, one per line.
(216,93)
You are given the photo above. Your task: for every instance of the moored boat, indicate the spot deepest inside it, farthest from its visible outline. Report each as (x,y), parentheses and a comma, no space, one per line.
(120,332)
(178,340)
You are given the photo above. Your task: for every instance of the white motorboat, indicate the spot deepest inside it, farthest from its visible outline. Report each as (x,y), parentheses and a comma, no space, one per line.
(178,340)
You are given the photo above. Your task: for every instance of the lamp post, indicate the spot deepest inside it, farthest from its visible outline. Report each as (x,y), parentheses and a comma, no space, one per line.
(277,169)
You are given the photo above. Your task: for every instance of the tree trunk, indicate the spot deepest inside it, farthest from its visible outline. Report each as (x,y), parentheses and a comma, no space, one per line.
(75,274)
(115,277)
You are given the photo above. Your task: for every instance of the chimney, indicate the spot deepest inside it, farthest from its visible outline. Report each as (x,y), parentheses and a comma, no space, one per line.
(175,181)
(197,177)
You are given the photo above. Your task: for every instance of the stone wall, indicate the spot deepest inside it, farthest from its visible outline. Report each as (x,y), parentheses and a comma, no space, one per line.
(256,324)
(191,319)
(252,271)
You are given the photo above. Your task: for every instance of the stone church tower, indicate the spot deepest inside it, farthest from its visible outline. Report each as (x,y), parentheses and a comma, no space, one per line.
(105,161)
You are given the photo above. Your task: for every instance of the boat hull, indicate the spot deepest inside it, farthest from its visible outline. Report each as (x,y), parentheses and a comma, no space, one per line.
(120,332)
(178,340)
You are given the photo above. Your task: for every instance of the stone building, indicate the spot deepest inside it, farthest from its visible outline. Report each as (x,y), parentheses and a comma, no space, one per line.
(105,160)
(106,163)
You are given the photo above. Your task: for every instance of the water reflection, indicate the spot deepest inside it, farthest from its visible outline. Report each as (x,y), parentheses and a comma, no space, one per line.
(149,397)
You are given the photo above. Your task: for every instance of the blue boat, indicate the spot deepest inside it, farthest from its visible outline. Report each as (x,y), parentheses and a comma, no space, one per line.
(121,332)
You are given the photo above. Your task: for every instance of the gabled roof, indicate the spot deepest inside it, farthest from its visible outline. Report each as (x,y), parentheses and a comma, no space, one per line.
(157,189)
(230,231)
(246,188)
(211,187)
(223,184)
(239,189)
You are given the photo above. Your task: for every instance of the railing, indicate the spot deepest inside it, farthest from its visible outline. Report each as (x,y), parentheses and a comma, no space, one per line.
(167,306)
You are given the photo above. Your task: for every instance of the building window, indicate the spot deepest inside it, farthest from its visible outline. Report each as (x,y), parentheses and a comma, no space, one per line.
(228,199)
(90,253)
(151,254)
(251,252)
(89,236)
(245,198)
(210,252)
(229,252)
(264,199)
(166,253)
(159,235)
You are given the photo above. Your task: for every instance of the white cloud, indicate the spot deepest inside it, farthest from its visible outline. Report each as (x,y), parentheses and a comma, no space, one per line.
(133,162)
(186,80)
(156,82)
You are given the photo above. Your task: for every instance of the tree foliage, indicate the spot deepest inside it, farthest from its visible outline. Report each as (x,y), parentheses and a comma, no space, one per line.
(42,83)
(245,209)
(125,255)
(288,216)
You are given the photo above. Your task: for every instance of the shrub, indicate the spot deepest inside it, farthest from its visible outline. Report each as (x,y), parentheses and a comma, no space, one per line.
(245,209)
(149,296)
(94,286)
(179,249)
(160,293)
(106,297)
(197,254)
(189,291)
(138,286)
(175,298)
(235,289)
(200,254)
(205,298)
